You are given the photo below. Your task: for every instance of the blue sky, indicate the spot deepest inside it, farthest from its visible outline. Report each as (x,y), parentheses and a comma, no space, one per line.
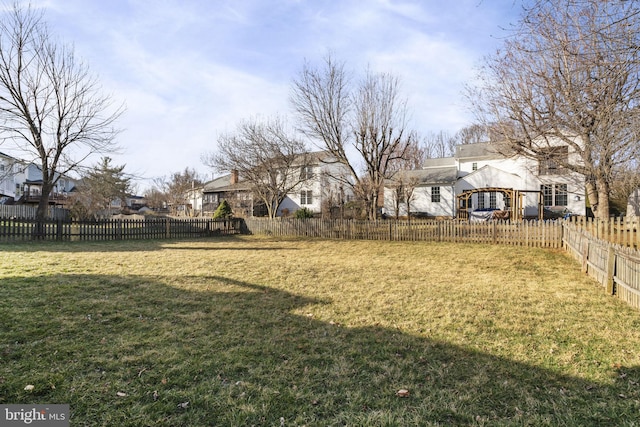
(189,70)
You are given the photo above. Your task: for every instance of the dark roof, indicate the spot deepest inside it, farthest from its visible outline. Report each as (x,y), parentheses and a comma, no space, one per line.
(223,184)
(221,181)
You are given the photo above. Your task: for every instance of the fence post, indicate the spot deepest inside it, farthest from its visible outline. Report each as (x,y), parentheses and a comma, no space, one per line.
(59,229)
(494,230)
(167,228)
(611,268)
(585,254)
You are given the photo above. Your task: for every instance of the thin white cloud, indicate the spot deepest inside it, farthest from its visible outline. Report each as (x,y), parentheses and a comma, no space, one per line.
(189,70)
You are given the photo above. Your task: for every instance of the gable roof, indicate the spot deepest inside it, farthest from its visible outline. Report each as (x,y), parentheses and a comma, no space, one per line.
(432,176)
(439,162)
(484,150)
(223,184)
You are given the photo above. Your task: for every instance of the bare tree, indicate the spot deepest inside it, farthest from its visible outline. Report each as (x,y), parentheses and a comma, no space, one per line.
(403,181)
(570,73)
(625,181)
(175,189)
(266,156)
(155,197)
(369,118)
(438,145)
(472,134)
(50,105)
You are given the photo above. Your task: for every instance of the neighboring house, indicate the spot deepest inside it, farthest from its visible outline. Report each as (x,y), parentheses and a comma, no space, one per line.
(130,203)
(21,183)
(480,180)
(322,188)
(193,205)
(135,202)
(432,190)
(237,194)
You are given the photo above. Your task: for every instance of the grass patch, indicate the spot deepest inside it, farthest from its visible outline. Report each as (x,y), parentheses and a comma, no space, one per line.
(255,331)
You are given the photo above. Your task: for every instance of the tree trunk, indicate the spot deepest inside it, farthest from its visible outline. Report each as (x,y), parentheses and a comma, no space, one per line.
(603,199)
(42,213)
(592,195)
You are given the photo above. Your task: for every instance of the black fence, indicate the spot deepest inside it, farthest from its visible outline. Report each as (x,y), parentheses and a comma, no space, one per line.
(23,229)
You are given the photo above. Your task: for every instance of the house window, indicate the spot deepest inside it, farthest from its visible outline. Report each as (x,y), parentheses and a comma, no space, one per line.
(480,201)
(561,194)
(435,194)
(306,172)
(474,166)
(493,203)
(306,197)
(552,159)
(507,202)
(547,195)
(554,195)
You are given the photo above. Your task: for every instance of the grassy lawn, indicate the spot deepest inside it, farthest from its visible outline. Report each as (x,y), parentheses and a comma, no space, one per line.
(253,331)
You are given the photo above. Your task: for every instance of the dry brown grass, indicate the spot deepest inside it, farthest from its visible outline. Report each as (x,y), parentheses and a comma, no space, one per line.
(249,330)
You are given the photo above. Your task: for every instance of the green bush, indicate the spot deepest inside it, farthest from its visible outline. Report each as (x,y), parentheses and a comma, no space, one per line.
(223,210)
(303,213)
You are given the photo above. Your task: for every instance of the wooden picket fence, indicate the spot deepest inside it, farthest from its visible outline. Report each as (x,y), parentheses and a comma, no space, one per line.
(621,231)
(605,249)
(544,234)
(26,211)
(23,229)
(614,266)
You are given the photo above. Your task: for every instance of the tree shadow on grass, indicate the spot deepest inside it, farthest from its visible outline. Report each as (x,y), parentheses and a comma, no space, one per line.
(136,351)
(129,245)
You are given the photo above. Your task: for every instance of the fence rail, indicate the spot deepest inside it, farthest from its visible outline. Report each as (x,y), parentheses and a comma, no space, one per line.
(525,233)
(22,229)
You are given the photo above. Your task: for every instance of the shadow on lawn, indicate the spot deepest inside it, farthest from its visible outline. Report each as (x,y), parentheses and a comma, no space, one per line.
(240,356)
(129,245)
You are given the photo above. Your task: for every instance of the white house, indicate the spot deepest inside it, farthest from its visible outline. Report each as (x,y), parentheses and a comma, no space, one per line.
(323,186)
(480,181)
(21,182)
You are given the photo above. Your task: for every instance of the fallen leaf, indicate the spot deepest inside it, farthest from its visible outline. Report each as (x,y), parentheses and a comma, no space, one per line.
(155,395)
(29,387)
(183,405)
(121,394)
(402,393)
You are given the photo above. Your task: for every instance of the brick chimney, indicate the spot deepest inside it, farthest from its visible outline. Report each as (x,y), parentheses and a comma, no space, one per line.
(234,176)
